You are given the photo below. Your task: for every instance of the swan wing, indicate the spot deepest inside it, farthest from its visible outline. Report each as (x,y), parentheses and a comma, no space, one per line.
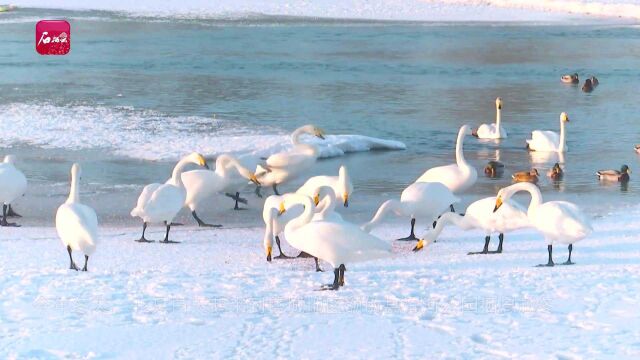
(165,202)
(288,159)
(77,227)
(562,221)
(311,185)
(144,197)
(544,140)
(427,199)
(488,131)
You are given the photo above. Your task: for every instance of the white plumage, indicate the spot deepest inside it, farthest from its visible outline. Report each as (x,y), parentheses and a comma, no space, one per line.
(340,184)
(549,140)
(493,131)
(13,185)
(162,202)
(76,223)
(457,177)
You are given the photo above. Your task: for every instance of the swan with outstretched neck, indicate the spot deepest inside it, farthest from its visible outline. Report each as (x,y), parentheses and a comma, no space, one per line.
(492,131)
(549,140)
(457,177)
(331,239)
(76,223)
(162,202)
(423,201)
(202,184)
(284,166)
(557,221)
(479,215)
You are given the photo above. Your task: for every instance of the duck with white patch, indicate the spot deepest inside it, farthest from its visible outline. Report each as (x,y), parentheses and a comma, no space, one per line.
(13,184)
(162,202)
(76,223)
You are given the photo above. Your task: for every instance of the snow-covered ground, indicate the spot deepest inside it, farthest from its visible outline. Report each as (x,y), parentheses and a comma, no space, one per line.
(215,296)
(420,10)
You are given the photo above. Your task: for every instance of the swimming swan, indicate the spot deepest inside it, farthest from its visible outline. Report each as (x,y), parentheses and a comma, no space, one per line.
(457,177)
(479,215)
(421,200)
(287,165)
(558,221)
(549,140)
(76,223)
(202,184)
(333,240)
(13,184)
(340,184)
(162,202)
(492,131)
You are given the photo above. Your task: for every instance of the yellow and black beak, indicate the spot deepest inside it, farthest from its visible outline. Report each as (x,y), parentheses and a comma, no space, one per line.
(316,199)
(345,196)
(281,209)
(498,204)
(419,245)
(254,179)
(269,253)
(202,161)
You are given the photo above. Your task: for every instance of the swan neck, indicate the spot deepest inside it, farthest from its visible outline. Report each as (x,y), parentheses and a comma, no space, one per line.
(448,218)
(536,195)
(327,205)
(295,136)
(306,215)
(459,152)
(387,207)
(176,175)
(562,136)
(74,191)
(498,118)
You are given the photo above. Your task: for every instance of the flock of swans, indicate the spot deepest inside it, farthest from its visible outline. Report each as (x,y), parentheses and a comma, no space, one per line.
(307,219)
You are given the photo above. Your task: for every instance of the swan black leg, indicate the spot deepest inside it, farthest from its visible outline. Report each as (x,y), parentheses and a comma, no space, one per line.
(341,277)
(282,255)
(499,250)
(336,283)
(411,236)
(485,249)
(72,265)
(4,217)
(451,208)
(86,260)
(238,199)
(166,236)
(142,238)
(275,189)
(257,191)
(318,269)
(11,213)
(550,262)
(568,262)
(202,223)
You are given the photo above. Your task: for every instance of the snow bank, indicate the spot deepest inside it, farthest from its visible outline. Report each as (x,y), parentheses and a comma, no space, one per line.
(145,134)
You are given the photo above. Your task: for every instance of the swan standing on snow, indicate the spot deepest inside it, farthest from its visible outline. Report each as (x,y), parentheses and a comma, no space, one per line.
(420,200)
(13,184)
(76,223)
(286,165)
(331,239)
(457,177)
(479,215)
(558,221)
(162,202)
(492,131)
(549,140)
(201,184)
(340,184)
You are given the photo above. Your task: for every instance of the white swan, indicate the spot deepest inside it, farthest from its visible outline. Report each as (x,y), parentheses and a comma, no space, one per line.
(457,177)
(335,241)
(340,184)
(558,221)
(421,200)
(287,165)
(202,184)
(275,218)
(549,140)
(492,131)
(162,202)
(479,215)
(13,184)
(76,223)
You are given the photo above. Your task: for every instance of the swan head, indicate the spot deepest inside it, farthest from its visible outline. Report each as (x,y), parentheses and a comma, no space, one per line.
(466,130)
(426,240)
(281,208)
(564,117)
(76,171)
(10,159)
(499,201)
(198,159)
(244,172)
(345,182)
(319,133)
(498,103)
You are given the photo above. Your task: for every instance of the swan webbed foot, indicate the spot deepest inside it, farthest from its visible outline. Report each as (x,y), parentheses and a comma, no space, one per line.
(483,252)
(8,224)
(11,213)
(304,255)
(73,266)
(336,281)
(549,264)
(568,262)
(411,237)
(202,223)
(165,241)
(177,224)
(257,191)
(237,199)
(144,240)
(282,256)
